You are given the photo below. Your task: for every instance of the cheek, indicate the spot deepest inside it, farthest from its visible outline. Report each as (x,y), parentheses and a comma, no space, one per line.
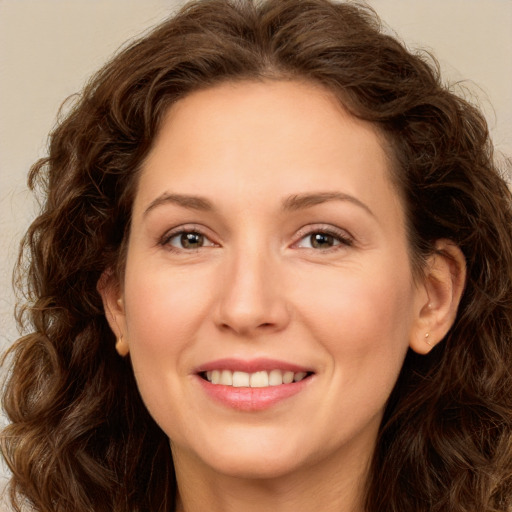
(363,321)
(162,300)
(164,310)
(163,313)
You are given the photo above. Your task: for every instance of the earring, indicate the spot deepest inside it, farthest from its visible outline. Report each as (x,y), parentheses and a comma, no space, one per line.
(427,336)
(122,347)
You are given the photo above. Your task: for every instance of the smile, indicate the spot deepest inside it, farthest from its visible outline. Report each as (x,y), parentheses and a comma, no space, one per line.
(259,379)
(252,385)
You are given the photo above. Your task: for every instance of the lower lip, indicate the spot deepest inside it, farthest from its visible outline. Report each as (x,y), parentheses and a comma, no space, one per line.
(252,399)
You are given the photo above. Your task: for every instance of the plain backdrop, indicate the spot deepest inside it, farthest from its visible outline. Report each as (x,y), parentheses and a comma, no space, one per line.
(48,49)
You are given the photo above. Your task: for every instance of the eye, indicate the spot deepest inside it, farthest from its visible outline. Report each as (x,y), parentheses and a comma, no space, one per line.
(322,239)
(187,240)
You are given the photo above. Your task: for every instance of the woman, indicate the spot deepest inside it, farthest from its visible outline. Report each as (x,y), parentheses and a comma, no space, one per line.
(273,270)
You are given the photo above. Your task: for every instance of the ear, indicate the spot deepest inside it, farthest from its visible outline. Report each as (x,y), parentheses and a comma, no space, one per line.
(109,288)
(439,295)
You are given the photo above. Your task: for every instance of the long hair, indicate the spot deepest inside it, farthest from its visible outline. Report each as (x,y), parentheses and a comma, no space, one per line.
(80,437)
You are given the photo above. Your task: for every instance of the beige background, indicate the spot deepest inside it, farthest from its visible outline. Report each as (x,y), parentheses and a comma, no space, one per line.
(48,49)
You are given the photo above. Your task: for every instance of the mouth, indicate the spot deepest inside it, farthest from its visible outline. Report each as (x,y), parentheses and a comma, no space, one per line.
(253,385)
(258,379)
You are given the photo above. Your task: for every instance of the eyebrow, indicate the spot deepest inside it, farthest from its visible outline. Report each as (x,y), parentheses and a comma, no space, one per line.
(184,200)
(301,201)
(291,203)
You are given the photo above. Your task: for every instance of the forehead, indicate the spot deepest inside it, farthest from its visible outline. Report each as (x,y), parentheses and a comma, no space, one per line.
(265,138)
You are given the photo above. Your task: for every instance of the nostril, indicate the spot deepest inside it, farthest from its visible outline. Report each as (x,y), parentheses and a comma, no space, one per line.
(227,327)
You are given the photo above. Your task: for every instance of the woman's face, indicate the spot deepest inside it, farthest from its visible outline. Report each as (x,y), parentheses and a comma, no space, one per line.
(267,244)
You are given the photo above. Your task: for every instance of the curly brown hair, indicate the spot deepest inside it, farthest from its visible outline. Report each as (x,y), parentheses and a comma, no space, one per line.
(80,437)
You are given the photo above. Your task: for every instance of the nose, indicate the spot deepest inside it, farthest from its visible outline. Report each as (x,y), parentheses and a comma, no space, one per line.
(252,297)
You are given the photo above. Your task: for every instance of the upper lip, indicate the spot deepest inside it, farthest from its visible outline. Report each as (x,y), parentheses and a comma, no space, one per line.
(251,365)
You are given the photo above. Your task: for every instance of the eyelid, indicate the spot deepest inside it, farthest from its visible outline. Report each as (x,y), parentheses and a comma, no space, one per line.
(342,235)
(185,228)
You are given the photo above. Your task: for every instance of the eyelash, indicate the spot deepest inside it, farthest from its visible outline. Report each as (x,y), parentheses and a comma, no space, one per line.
(341,237)
(179,232)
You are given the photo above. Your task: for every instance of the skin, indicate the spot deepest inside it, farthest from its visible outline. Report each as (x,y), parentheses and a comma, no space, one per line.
(348,310)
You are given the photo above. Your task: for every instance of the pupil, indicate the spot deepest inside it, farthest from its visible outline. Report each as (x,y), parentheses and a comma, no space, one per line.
(191,240)
(321,240)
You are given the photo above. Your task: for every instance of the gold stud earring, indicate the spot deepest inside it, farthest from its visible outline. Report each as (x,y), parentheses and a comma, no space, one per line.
(122,347)
(427,336)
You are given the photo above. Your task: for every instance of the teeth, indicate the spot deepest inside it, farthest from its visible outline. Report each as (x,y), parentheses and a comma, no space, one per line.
(275,378)
(287,377)
(241,380)
(299,376)
(226,378)
(215,377)
(260,379)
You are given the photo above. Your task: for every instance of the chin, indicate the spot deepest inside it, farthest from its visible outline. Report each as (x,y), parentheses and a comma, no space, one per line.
(257,468)
(253,461)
